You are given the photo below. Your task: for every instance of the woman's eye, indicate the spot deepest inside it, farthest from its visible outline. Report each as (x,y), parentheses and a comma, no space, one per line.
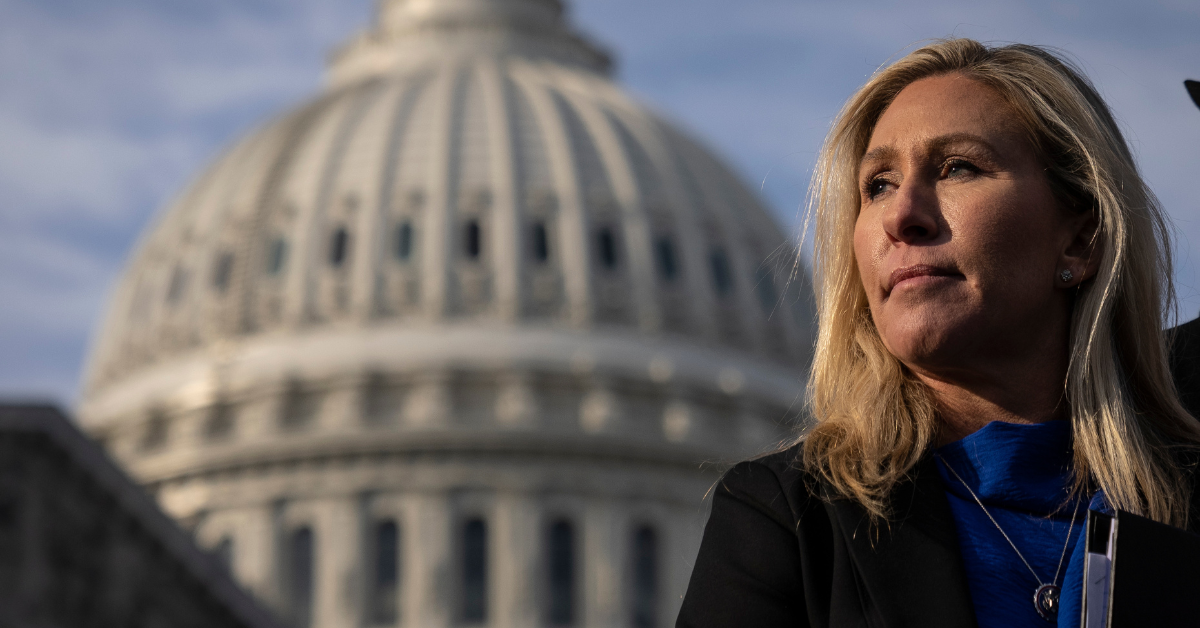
(875,187)
(958,167)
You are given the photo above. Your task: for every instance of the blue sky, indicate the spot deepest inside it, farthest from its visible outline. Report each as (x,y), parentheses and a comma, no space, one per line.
(108,108)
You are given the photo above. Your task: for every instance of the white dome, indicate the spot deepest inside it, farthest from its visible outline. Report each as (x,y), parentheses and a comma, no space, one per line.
(472,243)
(586,212)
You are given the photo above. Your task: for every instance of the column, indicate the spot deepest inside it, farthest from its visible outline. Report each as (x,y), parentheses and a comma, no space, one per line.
(336,599)
(516,551)
(254,558)
(429,589)
(600,566)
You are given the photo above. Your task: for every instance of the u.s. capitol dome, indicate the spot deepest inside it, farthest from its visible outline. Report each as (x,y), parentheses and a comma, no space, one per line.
(452,342)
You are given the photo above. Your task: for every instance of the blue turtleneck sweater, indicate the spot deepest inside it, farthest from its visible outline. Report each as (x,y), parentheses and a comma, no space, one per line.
(1022,473)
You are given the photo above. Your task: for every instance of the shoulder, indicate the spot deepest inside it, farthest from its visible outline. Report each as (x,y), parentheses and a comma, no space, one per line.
(775,484)
(750,569)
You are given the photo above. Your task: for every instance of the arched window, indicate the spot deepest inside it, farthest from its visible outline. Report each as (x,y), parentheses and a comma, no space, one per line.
(645,578)
(404,241)
(276,256)
(179,280)
(664,253)
(385,574)
(722,276)
(472,240)
(339,247)
(474,571)
(560,572)
(541,242)
(606,245)
(299,583)
(220,421)
(301,406)
(156,432)
(223,271)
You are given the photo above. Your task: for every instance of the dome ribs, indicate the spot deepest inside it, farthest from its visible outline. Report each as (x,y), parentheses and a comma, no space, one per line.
(222,219)
(738,322)
(665,284)
(270,201)
(475,254)
(629,211)
(685,208)
(508,257)
(440,219)
(537,204)
(357,192)
(570,215)
(609,245)
(398,287)
(328,267)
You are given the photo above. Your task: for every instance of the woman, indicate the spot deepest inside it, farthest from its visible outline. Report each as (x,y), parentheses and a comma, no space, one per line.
(992,278)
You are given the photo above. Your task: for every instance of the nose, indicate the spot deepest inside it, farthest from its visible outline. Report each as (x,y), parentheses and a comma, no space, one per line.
(912,214)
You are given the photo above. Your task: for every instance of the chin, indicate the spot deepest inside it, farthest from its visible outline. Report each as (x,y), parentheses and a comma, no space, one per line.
(923,346)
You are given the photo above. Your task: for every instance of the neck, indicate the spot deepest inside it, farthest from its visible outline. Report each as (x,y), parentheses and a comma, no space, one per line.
(1026,388)
(964,411)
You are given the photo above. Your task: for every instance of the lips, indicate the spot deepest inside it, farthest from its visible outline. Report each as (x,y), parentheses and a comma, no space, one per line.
(915,271)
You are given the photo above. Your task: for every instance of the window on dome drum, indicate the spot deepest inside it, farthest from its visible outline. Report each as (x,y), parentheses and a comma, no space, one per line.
(664,253)
(301,406)
(179,279)
(722,276)
(155,435)
(299,574)
(220,421)
(541,242)
(644,611)
(560,572)
(339,247)
(224,551)
(223,271)
(404,241)
(474,571)
(764,281)
(472,240)
(606,245)
(276,256)
(385,574)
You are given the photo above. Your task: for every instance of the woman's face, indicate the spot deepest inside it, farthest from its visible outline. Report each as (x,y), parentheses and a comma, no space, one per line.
(959,240)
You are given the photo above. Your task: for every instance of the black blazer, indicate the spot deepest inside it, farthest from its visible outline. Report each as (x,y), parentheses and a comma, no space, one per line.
(1185,363)
(774,554)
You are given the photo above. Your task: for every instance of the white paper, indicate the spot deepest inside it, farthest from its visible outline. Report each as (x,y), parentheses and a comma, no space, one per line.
(1098,569)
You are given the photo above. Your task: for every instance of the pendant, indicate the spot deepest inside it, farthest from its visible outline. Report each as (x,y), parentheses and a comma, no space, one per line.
(1045,600)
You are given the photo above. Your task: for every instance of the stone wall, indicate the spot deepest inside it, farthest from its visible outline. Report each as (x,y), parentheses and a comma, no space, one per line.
(80,545)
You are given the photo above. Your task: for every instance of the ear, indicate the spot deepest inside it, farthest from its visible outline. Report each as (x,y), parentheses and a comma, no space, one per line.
(1082,249)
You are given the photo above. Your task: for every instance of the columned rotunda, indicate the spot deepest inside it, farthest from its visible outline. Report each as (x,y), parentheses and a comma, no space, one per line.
(461,341)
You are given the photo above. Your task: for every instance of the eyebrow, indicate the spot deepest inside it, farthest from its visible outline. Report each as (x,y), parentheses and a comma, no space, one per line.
(940,142)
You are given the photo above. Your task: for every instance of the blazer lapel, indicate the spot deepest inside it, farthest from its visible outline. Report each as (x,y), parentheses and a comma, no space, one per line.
(910,568)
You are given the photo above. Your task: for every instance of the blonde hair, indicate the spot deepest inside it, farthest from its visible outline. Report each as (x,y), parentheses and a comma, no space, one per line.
(874,420)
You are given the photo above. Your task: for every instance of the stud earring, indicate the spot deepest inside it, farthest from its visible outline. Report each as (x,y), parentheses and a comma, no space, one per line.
(1066,275)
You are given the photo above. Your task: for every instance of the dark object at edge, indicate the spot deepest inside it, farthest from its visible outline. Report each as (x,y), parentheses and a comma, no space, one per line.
(88,547)
(1153,573)
(1193,90)
(1184,357)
